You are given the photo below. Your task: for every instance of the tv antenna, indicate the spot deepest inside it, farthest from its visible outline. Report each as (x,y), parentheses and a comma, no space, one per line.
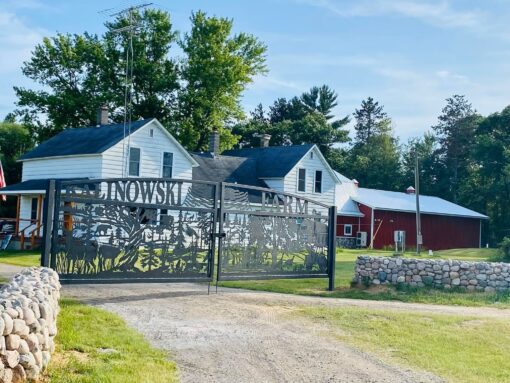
(131,27)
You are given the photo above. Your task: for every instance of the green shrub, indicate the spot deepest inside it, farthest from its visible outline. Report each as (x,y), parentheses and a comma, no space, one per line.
(504,250)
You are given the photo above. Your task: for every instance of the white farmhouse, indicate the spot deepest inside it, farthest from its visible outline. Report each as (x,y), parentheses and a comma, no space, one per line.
(146,149)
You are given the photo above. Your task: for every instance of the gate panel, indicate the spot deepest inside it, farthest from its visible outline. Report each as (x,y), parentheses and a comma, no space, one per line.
(134,230)
(268,234)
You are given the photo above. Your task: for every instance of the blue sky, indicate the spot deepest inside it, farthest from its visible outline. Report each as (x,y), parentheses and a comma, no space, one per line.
(409,55)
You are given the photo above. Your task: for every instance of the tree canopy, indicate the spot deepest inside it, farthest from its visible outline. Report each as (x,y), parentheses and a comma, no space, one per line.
(190,95)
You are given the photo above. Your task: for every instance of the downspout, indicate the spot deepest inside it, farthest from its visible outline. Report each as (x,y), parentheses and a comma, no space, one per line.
(372,229)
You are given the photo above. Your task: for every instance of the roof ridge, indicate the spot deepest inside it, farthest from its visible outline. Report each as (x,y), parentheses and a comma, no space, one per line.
(102,126)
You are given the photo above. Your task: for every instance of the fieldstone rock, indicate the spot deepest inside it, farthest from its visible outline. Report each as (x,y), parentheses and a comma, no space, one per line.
(20,327)
(8,324)
(27,361)
(23,347)
(28,316)
(45,359)
(11,358)
(6,375)
(12,342)
(38,357)
(456,281)
(18,374)
(33,373)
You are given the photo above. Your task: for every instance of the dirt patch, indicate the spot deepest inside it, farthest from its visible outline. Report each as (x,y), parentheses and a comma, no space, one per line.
(62,358)
(241,336)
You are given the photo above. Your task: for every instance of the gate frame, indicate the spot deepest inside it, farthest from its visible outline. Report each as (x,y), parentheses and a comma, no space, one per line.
(331,239)
(51,215)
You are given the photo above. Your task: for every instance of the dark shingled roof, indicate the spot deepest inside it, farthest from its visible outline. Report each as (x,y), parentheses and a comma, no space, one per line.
(38,184)
(86,140)
(273,161)
(226,169)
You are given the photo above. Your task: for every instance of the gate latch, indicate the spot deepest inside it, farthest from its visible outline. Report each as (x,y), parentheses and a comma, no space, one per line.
(219,235)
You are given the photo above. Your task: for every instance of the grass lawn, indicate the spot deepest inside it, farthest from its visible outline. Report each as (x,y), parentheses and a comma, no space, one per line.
(94,345)
(460,349)
(344,273)
(21,258)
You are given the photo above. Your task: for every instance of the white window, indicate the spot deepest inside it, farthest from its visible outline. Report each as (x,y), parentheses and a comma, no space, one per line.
(318,181)
(347,229)
(168,162)
(301,180)
(134,162)
(151,132)
(311,155)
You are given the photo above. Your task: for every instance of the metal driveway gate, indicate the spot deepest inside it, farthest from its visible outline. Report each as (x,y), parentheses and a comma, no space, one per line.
(164,230)
(130,230)
(270,234)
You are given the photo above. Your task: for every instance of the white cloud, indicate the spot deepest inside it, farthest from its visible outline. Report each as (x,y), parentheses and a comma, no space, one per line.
(439,13)
(265,83)
(17,41)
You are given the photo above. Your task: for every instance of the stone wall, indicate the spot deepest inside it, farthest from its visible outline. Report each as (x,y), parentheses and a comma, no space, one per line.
(475,276)
(28,314)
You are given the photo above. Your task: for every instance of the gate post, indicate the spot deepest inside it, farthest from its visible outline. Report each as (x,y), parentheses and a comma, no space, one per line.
(219,234)
(54,228)
(49,209)
(332,247)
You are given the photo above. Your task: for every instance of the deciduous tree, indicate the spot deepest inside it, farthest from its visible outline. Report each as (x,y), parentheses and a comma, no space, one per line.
(217,68)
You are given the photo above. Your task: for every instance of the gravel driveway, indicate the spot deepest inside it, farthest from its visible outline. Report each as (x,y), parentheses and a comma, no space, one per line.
(240,336)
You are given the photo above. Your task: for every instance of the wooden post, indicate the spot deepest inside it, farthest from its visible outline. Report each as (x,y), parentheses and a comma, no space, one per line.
(18,206)
(39,209)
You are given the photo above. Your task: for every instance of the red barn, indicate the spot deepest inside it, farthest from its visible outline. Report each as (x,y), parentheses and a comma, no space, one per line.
(444,225)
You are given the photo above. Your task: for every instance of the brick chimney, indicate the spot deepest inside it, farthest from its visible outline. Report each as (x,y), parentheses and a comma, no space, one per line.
(102,115)
(264,140)
(410,190)
(214,143)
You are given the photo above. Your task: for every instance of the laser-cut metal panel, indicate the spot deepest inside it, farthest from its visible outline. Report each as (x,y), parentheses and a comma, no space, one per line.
(124,230)
(269,234)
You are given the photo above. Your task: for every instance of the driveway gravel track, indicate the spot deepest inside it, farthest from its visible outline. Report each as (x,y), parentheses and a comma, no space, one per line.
(248,336)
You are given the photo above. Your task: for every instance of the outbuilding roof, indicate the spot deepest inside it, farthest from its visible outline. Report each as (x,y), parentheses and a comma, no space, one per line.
(396,201)
(272,161)
(85,140)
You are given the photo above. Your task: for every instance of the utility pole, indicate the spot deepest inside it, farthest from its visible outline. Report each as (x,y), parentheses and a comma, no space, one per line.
(419,239)
(128,86)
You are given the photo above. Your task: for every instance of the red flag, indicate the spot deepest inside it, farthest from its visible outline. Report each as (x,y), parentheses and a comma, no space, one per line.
(2,181)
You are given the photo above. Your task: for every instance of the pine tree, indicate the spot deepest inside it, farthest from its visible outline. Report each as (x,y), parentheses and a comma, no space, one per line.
(369,120)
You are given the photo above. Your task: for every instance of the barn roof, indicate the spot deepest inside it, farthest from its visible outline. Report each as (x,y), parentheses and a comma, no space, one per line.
(396,201)
(85,140)
(272,161)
